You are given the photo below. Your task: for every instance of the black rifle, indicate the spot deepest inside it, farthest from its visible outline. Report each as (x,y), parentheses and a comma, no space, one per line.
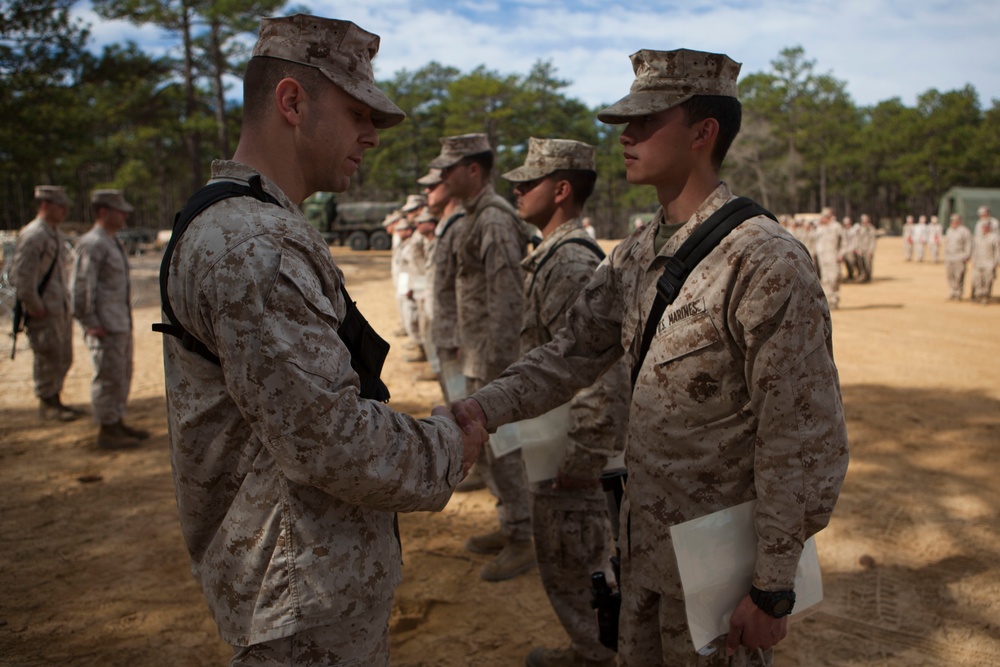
(19,318)
(604,600)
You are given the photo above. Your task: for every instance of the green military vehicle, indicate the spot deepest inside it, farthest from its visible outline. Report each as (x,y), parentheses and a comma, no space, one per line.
(357,225)
(966,202)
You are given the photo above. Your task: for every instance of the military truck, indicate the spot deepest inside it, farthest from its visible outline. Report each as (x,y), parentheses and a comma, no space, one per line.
(966,202)
(357,225)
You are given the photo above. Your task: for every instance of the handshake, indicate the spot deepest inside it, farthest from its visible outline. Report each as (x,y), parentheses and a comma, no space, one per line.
(471,419)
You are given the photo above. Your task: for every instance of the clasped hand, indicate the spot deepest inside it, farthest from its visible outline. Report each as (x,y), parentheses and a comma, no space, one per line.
(474,435)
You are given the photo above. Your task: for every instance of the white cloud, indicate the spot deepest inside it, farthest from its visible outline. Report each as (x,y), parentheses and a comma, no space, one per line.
(880,48)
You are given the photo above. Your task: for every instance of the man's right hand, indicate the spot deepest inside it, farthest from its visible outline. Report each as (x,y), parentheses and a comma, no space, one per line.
(474,436)
(468,413)
(38,314)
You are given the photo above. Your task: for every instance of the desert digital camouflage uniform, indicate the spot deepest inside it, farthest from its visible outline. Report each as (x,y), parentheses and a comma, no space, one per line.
(829,245)
(985,257)
(738,398)
(51,337)
(102,298)
(489,297)
(908,238)
(867,240)
(444,307)
(286,480)
(411,271)
(934,234)
(849,254)
(957,251)
(571,527)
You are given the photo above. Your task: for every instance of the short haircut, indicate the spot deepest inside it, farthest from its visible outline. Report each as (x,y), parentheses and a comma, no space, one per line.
(581,180)
(262,76)
(484,160)
(726,110)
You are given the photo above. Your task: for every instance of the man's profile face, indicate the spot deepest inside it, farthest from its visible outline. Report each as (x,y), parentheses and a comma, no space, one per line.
(657,148)
(334,136)
(536,200)
(458,180)
(52,212)
(437,197)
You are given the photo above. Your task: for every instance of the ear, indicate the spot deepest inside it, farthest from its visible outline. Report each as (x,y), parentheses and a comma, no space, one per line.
(562,192)
(707,131)
(289,98)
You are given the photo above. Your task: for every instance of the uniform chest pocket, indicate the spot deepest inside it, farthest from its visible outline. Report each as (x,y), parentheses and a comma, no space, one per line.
(684,338)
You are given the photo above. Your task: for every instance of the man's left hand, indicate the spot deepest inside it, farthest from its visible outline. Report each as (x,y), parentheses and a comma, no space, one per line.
(752,627)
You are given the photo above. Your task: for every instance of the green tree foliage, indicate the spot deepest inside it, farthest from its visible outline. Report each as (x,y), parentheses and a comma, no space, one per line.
(41,49)
(151,125)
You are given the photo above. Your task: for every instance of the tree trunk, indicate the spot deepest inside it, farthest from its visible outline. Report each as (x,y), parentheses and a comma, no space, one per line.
(218,69)
(191,138)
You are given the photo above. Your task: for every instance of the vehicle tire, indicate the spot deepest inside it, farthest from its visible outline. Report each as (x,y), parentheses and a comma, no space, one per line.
(358,241)
(380,240)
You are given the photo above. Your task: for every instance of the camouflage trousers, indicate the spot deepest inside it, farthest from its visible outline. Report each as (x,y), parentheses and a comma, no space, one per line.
(955,271)
(109,388)
(359,641)
(829,276)
(653,632)
(51,341)
(572,541)
(505,478)
(982,282)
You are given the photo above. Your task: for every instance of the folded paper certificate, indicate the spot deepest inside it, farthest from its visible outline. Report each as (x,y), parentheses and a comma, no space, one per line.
(543,442)
(716,556)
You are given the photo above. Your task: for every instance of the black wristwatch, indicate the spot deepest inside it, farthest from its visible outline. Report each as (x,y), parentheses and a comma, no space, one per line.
(774,603)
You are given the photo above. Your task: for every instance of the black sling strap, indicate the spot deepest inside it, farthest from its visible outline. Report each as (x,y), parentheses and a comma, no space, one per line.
(368,349)
(590,245)
(697,246)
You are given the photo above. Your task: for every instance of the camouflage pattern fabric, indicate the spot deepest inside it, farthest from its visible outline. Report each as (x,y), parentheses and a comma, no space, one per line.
(109,388)
(444,307)
(286,480)
(829,246)
(739,397)
(957,251)
(100,284)
(488,284)
(359,640)
(571,527)
(51,337)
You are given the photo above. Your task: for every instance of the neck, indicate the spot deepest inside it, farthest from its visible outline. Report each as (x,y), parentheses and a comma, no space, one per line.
(559,217)
(451,207)
(279,166)
(680,202)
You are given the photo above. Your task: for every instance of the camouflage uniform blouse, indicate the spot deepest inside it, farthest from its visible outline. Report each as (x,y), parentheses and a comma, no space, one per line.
(488,284)
(598,412)
(38,245)
(444,327)
(101,283)
(738,397)
(286,480)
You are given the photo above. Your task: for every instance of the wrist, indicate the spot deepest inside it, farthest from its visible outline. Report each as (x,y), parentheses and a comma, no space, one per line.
(777,604)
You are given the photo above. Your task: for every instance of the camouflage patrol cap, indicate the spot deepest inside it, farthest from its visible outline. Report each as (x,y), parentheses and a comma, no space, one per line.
(392,218)
(52,193)
(413,202)
(548,155)
(664,79)
(453,149)
(339,49)
(431,178)
(426,216)
(112,199)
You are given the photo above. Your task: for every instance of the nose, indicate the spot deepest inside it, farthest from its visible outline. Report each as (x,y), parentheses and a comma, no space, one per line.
(626,138)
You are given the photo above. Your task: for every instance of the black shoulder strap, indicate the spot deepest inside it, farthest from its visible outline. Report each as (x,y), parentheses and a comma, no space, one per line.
(697,246)
(368,350)
(201,200)
(590,245)
(450,221)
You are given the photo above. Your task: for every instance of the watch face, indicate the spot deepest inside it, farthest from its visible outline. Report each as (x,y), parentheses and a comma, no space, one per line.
(782,607)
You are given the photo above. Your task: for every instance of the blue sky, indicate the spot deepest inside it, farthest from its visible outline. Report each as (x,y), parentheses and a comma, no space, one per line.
(880,48)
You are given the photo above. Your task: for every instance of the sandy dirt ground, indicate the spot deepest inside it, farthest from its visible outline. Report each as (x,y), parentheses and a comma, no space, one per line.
(93,571)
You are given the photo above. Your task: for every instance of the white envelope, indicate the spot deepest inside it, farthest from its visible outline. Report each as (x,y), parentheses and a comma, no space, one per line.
(716,555)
